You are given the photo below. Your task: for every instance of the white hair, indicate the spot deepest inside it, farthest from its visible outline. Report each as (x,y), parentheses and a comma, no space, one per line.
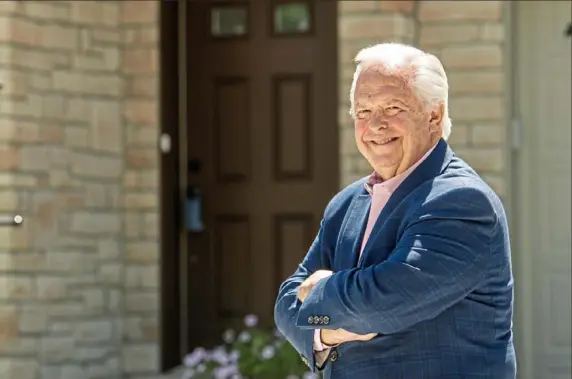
(430,81)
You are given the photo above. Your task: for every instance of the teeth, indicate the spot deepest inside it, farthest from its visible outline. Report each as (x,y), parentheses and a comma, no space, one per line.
(383,142)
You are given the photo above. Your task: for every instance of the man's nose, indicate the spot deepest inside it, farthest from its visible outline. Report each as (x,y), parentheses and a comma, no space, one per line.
(377,122)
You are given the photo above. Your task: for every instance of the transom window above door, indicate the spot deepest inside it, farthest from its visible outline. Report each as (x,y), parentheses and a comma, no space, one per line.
(291,18)
(229,21)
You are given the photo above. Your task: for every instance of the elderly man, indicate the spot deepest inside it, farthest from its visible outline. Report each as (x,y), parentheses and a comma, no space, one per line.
(410,274)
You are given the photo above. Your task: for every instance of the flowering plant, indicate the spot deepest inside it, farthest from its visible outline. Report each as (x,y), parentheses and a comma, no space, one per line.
(252,353)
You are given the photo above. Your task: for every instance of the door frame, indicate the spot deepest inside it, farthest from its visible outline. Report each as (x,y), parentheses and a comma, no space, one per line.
(173,179)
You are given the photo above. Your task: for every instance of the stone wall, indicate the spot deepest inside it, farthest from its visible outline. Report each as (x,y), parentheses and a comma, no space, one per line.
(78,125)
(140,22)
(469,38)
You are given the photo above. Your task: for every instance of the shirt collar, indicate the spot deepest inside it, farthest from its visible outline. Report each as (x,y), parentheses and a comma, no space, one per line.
(375,181)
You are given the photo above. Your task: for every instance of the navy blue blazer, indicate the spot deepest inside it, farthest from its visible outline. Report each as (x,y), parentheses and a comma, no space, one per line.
(434,280)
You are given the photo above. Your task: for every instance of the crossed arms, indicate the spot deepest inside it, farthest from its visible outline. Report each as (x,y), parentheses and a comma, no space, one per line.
(442,255)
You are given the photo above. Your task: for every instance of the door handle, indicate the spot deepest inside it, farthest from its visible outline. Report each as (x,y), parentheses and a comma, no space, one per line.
(11,220)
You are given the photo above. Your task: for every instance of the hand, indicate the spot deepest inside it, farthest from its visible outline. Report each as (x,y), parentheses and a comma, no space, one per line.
(338,336)
(310,282)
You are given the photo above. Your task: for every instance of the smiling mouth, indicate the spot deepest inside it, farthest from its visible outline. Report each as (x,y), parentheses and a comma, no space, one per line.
(386,141)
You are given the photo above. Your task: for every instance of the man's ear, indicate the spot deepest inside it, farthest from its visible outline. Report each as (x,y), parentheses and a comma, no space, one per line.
(436,118)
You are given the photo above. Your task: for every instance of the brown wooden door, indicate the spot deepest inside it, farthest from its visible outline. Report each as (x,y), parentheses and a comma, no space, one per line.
(262,123)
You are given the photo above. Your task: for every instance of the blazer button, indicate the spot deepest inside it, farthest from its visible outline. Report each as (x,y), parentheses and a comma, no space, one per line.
(334,357)
(326,320)
(310,320)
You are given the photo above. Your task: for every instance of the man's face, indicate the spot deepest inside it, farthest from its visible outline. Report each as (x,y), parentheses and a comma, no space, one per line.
(393,128)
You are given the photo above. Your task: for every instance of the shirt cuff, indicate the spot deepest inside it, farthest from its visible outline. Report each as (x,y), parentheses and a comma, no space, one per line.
(318,344)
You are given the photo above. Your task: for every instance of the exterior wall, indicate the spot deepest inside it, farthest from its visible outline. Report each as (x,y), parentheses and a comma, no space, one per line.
(78,124)
(469,38)
(79,281)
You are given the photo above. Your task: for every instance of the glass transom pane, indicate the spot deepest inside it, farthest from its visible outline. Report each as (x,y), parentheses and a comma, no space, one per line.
(229,21)
(292,18)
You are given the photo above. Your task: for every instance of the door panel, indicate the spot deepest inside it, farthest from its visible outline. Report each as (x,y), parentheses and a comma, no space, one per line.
(544,285)
(262,120)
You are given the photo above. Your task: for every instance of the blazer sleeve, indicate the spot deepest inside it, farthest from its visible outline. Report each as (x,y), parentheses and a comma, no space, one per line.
(287,303)
(442,256)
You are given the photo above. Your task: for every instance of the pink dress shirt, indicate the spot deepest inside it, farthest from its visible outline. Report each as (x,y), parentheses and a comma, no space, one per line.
(380,192)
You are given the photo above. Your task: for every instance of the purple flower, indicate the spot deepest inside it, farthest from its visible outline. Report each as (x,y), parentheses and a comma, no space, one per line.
(225,372)
(244,337)
(196,357)
(251,321)
(268,352)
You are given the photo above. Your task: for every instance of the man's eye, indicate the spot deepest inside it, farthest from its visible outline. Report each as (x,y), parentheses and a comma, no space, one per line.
(363,113)
(394,109)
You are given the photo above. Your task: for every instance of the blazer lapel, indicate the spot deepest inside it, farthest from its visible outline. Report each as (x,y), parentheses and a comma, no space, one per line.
(430,168)
(353,229)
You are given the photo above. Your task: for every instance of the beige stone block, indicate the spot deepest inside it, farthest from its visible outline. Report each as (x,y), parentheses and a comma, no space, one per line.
(108,249)
(483,159)
(56,349)
(460,135)
(51,288)
(141,329)
(493,32)
(111,273)
(76,136)
(132,225)
(17,287)
(142,136)
(95,12)
(78,109)
(141,301)
(94,331)
(18,131)
(21,346)
(67,261)
(142,252)
(106,128)
(148,36)
(106,36)
(437,34)
(18,368)
(115,301)
(141,112)
(95,223)
(142,86)
(8,323)
(142,277)
(12,179)
(489,134)
(472,82)
(93,84)
(361,6)
(33,319)
(46,10)
(8,201)
(383,27)
(19,31)
(130,179)
(141,201)
(51,132)
(404,6)
(151,225)
(15,83)
(93,300)
(96,166)
(54,36)
(140,61)
(149,179)
(477,108)
(67,309)
(140,358)
(142,157)
(473,56)
(139,11)
(497,182)
(459,10)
